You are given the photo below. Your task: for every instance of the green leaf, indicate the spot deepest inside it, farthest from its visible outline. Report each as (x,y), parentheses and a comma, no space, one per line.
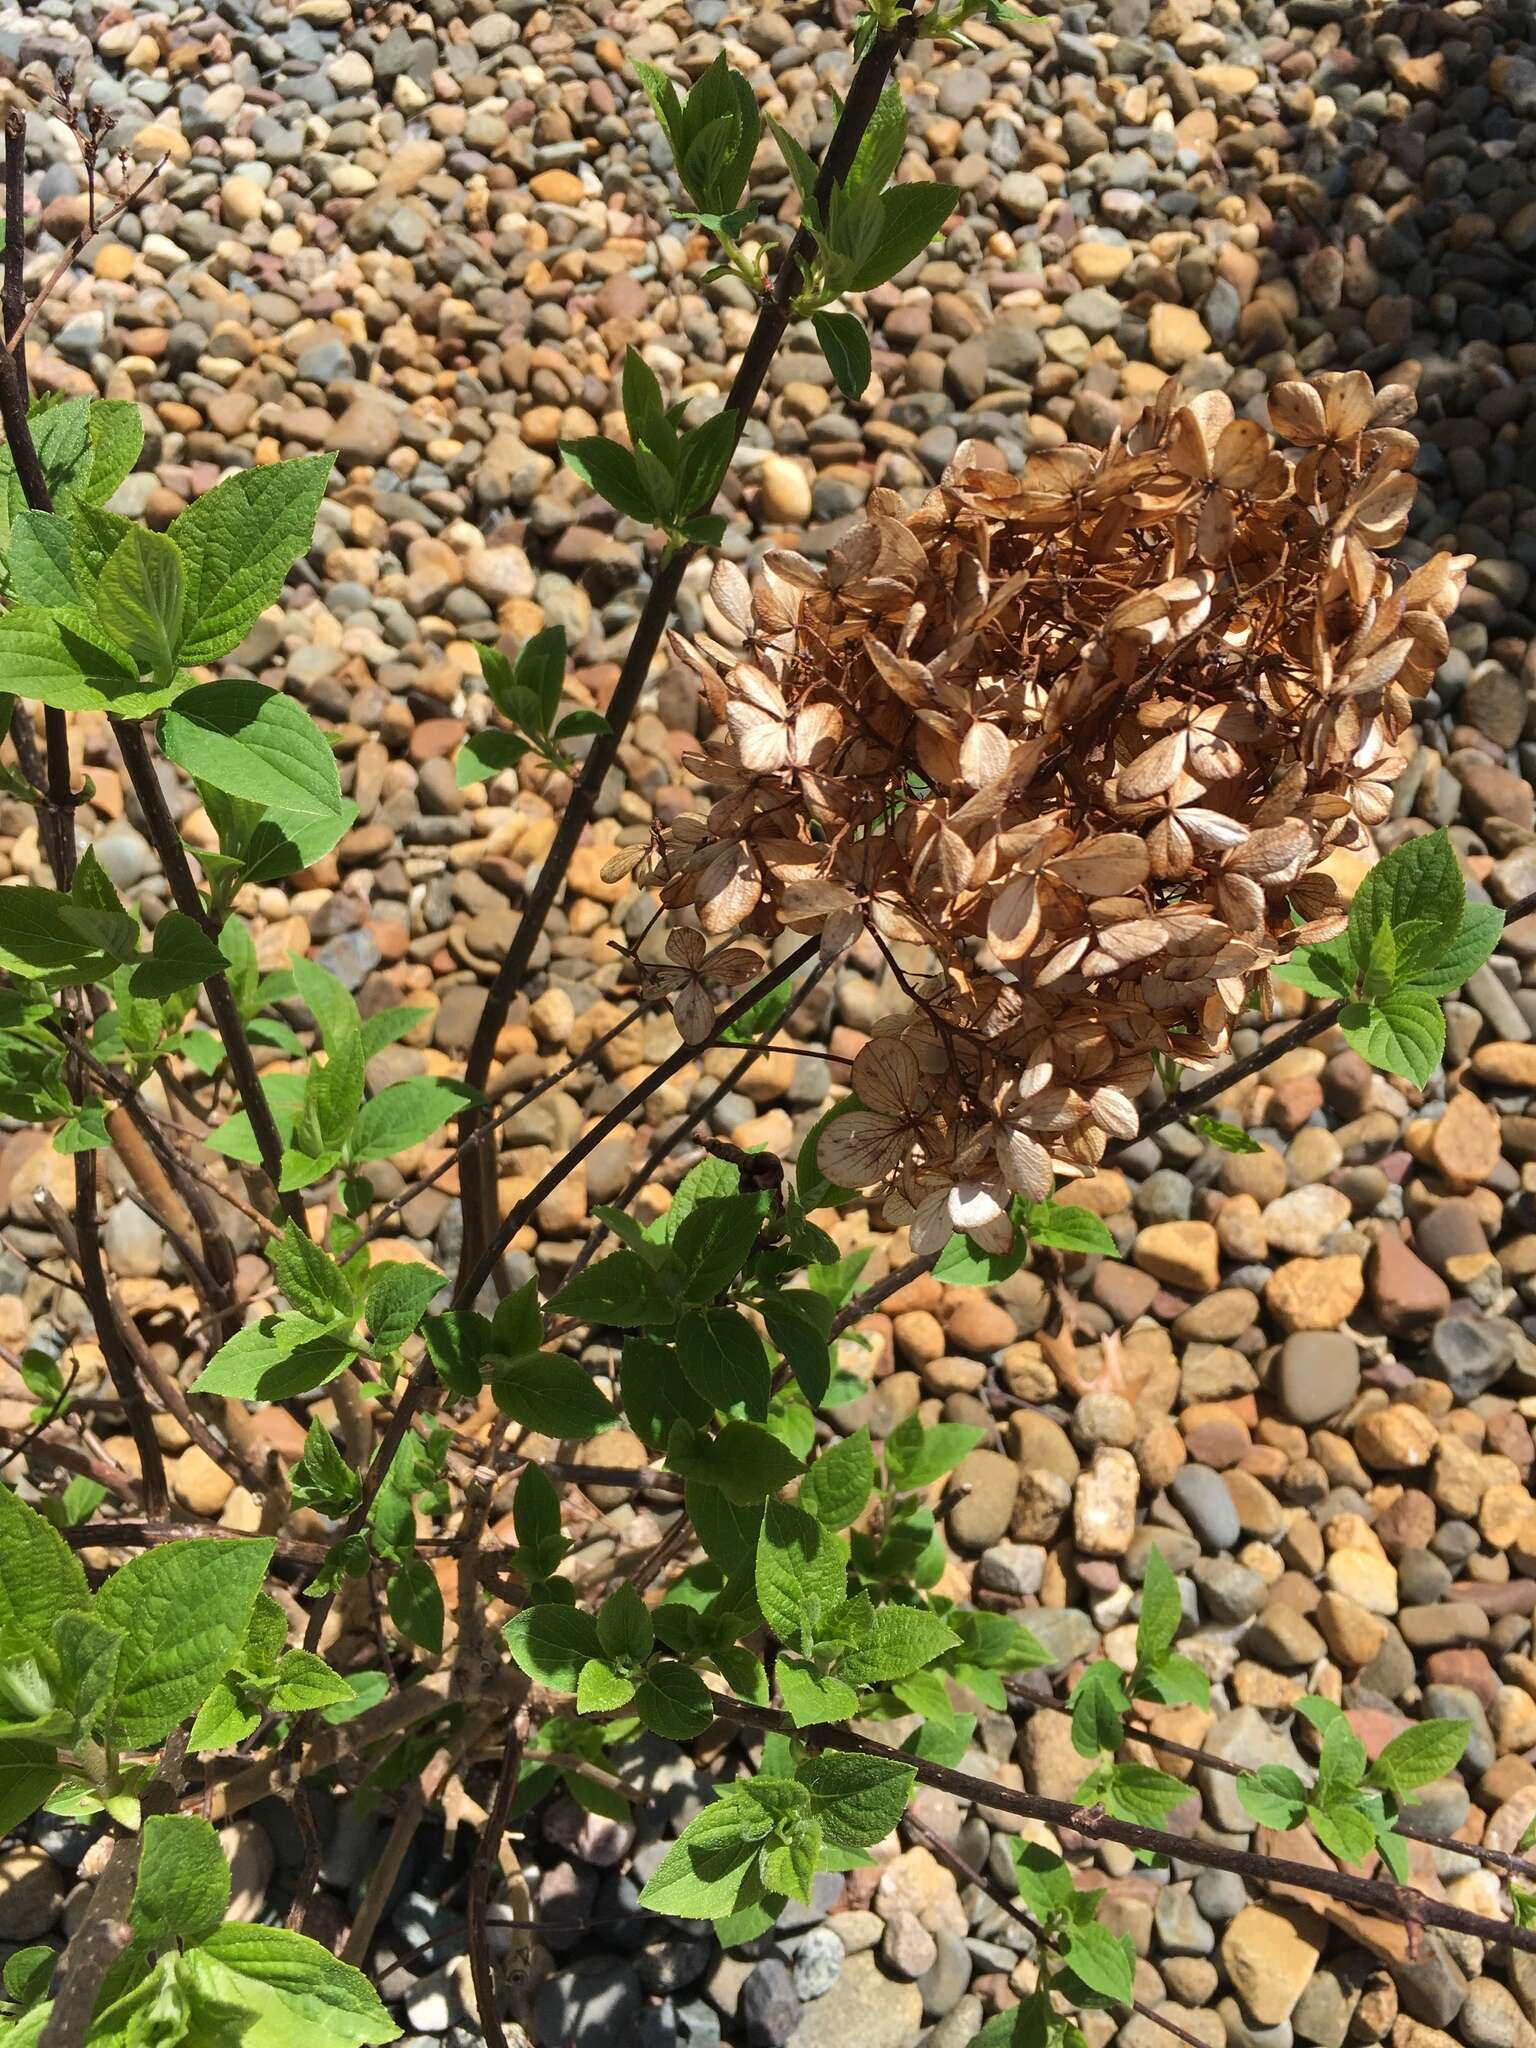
(1342,1830)
(1341,1763)
(1327,970)
(41,562)
(115,434)
(621,1291)
(552,1643)
(1162,1610)
(29,1774)
(801,1572)
(182,1890)
(1067,1228)
(298,1990)
(1098,1700)
(182,957)
(1419,1755)
(655,1392)
(624,1625)
(404,1116)
(672,1700)
(237,544)
(836,1489)
(703,462)
(1225,1137)
(600,1688)
(60,657)
(1419,881)
(964,1264)
(723,1360)
(712,1244)
(710,1870)
(1401,1032)
(416,1604)
(310,1278)
(857,1800)
(880,148)
(458,1343)
(810,1699)
(398,1298)
(612,471)
(799,1322)
(645,411)
(139,599)
(911,216)
(485,754)
(1105,1962)
(40,1576)
(304,1683)
(28,1973)
(1134,1792)
(1273,1795)
(551,1394)
(900,1640)
(845,344)
(88,1656)
(1479,932)
(915,1457)
(275,1360)
(182,1610)
(261,746)
(745,1461)
(1044,1881)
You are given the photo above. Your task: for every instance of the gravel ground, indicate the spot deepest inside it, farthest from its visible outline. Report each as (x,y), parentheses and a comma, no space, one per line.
(423,238)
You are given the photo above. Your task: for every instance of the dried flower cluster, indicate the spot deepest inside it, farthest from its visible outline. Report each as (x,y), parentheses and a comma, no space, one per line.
(1084,736)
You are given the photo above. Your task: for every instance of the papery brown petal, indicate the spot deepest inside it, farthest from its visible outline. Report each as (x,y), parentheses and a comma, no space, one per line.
(693,1013)
(729,890)
(861,1148)
(1296,412)
(732,595)
(983,755)
(1154,771)
(886,1077)
(1112,865)
(1014,919)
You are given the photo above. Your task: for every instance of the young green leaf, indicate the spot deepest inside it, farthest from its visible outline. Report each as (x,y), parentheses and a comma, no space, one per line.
(237,544)
(613,472)
(1162,1610)
(139,600)
(1419,1755)
(182,1610)
(182,1890)
(723,1360)
(1402,1032)
(911,215)
(836,1489)
(40,1576)
(845,344)
(621,1290)
(858,1800)
(801,1572)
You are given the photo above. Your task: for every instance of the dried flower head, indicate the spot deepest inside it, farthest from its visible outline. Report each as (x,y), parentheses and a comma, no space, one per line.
(1085,736)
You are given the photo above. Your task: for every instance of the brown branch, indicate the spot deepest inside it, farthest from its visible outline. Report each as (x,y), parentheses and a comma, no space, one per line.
(887,46)
(1367,1895)
(487,1854)
(126,1355)
(986,1882)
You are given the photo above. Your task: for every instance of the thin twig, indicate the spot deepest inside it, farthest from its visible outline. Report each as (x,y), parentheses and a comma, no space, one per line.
(887,46)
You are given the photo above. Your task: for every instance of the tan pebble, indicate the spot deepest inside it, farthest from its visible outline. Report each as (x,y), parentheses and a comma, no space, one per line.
(1185,1255)
(1396,1439)
(1315,1294)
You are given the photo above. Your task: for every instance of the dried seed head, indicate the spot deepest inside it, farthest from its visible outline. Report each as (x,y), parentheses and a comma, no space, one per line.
(1086,735)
